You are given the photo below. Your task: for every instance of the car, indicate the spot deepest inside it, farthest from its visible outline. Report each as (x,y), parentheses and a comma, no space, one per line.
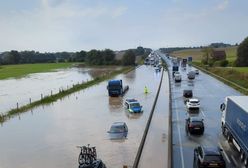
(194,125)
(193,103)
(178,77)
(133,106)
(191,75)
(208,157)
(157,69)
(118,130)
(187,93)
(118,127)
(197,72)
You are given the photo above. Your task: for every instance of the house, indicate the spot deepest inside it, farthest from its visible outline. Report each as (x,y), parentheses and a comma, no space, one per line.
(219,55)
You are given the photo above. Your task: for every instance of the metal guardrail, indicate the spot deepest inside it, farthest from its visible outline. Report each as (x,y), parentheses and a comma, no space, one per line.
(244,90)
(138,155)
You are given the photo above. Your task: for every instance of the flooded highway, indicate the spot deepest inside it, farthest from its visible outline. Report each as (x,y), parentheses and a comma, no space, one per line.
(156,149)
(20,90)
(211,94)
(48,135)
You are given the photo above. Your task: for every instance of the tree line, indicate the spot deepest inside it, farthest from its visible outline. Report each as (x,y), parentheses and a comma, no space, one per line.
(92,57)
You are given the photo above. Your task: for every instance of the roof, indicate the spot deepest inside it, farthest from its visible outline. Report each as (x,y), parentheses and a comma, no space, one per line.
(241,101)
(118,123)
(194,99)
(131,100)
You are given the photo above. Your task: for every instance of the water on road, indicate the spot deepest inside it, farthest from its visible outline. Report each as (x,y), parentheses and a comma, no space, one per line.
(48,135)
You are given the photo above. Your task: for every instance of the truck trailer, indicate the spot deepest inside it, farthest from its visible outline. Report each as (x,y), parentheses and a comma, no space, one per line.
(234,123)
(115,88)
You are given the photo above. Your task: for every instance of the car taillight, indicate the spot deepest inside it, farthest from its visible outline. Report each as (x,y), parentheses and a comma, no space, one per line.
(190,125)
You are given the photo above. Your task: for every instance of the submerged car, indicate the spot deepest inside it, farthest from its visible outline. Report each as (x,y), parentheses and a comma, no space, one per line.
(118,130)
(193,103)
(208,157)
(133,106)
(194,125)
(118,127)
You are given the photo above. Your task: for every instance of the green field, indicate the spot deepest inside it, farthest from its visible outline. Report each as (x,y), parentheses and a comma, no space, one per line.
(16,71)
(231,53)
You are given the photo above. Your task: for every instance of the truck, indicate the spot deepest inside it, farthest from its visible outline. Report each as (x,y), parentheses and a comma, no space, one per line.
(184,62)
(234,123)
(115,88)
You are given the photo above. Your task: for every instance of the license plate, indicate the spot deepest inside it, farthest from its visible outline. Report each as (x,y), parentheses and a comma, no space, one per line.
(197,128)
(213,164)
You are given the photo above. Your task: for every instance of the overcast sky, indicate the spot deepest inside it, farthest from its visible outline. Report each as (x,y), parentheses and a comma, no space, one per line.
(73,25)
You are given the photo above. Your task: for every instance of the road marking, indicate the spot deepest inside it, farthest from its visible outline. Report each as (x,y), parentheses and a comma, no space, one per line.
(180,139)
(234,160)
(227,158)
(203,113)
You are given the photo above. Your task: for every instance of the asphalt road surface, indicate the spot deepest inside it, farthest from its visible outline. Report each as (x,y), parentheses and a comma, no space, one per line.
(211,94)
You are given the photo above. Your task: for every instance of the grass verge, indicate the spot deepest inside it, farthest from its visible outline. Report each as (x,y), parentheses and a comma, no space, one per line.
(62,93)
(229,76)
(20,70)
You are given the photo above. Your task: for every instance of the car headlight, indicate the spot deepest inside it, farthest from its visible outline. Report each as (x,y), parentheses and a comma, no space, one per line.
(130,110)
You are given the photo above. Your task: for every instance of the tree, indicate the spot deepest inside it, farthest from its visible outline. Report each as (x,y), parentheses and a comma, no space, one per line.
(13,57)
(108,56)
(128,58)
(242,53)
(208,55)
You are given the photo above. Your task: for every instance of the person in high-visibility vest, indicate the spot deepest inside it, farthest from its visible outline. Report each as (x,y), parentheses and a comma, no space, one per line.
(145,90)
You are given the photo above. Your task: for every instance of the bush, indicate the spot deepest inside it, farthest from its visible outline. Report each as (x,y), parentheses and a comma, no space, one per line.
(222,63)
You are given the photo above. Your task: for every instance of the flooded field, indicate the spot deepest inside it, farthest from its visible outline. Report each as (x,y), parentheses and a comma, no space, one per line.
(47,136)
(32,86)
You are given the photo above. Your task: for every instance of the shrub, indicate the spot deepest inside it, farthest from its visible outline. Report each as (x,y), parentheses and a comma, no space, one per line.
(222,63)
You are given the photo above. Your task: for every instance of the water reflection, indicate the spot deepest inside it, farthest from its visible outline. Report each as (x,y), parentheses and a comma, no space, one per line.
(130,76)
(115,103)
(32,86)
(133,115)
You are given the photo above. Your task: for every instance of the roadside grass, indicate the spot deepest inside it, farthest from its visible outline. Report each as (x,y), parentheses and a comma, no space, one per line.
(62,93)
(20,70)
(231,76)
(231,53)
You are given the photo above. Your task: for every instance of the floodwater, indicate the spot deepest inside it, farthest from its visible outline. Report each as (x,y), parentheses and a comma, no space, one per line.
(32,86)
(48,135)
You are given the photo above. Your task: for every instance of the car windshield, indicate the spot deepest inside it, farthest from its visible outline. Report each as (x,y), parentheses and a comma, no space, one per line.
(117,129)
(114,86)
(133,105)
(213,158)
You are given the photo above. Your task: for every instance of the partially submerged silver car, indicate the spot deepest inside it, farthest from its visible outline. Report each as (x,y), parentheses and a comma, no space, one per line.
(118,130)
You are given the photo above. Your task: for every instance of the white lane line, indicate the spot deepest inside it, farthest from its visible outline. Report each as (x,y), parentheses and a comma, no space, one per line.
(180,138)
(234,160)
(227,158)
(203,113)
